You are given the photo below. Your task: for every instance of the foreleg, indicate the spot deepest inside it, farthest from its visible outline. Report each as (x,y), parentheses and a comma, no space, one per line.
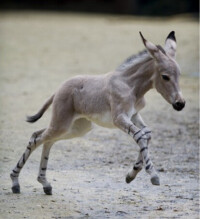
(143,143)
(137,167)
(137,119)
(142,137)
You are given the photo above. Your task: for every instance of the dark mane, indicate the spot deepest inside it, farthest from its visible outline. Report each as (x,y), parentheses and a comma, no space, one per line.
(132,59)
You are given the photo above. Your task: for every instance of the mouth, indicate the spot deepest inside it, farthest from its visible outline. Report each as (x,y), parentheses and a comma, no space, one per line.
(178,106)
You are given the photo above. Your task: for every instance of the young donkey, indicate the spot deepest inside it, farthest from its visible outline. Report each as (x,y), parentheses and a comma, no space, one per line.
(111,100)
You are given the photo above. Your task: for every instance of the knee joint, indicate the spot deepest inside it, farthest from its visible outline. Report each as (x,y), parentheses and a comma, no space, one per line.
(41,178)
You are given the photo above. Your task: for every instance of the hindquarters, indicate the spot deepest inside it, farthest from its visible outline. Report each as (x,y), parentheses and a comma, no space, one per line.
(78,100)
(65,120)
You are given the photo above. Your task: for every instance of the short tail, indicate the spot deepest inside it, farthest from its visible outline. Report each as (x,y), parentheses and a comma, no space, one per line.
(41,111)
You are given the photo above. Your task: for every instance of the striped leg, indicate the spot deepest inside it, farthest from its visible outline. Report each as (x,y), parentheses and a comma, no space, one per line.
(138,121)
(43,166)
(35,141)
(148,163)
(139,163)
(143,138)
(136,169)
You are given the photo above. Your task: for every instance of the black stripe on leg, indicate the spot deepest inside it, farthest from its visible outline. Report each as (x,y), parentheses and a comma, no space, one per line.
(148,166)
(136,133)
(139,162)
(140,137)
(43,168)
(136,168)
(24,158)
(46,158)
(18,166)
(15,172)
(42,174)
(29,148)
(147,161)
(144,148)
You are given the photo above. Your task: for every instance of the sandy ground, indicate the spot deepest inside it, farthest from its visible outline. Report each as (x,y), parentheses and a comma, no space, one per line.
(38,52)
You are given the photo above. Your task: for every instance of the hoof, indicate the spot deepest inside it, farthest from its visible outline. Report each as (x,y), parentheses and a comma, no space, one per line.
(47,190)
(128,178)
(16,189)
(155,180)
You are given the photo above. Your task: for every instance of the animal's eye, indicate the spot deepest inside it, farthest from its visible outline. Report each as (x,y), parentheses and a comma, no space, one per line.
(165,77)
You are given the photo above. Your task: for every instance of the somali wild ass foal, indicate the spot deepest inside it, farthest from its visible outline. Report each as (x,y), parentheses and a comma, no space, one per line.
(110,100)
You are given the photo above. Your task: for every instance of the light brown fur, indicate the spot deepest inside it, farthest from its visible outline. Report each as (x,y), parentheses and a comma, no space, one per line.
(112,100)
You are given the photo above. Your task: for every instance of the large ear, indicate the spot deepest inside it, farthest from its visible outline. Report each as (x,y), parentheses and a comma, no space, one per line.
(170,45)
(151,48)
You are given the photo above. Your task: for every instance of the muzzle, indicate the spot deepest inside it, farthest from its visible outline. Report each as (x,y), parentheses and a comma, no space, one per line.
(178,105)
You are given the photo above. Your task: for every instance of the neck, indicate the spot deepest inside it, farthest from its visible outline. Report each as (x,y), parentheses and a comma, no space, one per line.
(140,77)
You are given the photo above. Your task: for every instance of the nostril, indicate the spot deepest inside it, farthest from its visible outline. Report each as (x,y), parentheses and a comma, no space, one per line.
(179,105)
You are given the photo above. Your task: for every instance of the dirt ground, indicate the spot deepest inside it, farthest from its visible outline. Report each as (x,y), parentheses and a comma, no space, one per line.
(38,52)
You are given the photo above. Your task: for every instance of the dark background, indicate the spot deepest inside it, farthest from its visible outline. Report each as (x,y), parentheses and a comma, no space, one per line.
(136,7)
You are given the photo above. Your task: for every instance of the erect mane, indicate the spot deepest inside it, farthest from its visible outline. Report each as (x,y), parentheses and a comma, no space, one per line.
(134,60)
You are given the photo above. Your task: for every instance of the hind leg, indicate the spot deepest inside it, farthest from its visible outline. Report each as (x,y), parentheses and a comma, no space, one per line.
(36,140)
(61,120)
(43,167)
(33,144)
(78,128)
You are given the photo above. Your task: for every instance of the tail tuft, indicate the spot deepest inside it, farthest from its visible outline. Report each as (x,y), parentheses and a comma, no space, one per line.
(38,115)
(34,118)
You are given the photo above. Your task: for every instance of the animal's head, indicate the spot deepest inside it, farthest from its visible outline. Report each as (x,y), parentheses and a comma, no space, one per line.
(167,70)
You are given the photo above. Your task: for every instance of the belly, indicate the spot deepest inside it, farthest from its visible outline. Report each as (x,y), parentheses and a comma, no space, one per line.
(103,119)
